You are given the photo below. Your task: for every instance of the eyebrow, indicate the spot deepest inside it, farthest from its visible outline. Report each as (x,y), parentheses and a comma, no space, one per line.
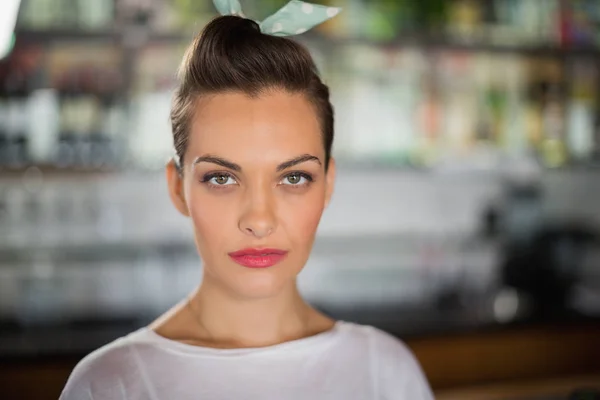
(235,167)
(217,160)
(298,160)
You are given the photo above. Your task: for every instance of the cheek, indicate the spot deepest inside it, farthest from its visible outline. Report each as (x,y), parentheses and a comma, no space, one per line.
(210,216)
(301,215)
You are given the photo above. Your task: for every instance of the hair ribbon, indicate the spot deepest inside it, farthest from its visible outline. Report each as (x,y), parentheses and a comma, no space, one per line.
(295,18)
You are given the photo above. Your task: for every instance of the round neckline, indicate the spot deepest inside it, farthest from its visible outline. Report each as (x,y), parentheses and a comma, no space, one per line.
(296,344)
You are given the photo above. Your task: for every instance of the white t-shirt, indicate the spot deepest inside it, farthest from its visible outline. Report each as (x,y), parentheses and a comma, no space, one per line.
(350,361)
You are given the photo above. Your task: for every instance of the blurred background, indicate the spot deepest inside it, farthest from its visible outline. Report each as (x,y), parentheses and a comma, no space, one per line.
(466,212)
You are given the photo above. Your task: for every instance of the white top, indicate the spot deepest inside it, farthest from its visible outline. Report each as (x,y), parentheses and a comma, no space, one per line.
(350,361)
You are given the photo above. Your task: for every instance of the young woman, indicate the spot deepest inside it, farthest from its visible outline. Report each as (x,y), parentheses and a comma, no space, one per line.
(253,129)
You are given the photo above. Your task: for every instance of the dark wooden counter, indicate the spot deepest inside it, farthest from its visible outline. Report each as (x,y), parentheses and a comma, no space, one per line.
(558,388)
(508,355)
(538,363)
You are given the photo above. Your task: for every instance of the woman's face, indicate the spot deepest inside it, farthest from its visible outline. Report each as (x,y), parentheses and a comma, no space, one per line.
(254,178)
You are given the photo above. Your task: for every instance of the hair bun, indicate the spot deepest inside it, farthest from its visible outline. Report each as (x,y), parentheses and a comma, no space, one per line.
(231,27)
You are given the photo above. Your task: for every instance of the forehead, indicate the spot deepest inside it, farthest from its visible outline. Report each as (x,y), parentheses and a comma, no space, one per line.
(275,124)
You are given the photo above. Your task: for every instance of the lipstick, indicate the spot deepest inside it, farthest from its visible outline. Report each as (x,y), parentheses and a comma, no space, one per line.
(258,258)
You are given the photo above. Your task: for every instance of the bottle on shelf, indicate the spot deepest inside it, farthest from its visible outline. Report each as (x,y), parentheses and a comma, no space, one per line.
(43,126)
(90,119)
(95,15)
(582,98)
(3,123)
(106,141)
(68,138)
(554,152)
(16,96)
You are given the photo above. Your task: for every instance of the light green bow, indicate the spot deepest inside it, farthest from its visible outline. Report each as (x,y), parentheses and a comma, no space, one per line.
(294,18)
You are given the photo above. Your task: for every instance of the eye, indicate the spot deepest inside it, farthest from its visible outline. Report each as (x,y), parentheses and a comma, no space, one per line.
(219,179)
(296,179)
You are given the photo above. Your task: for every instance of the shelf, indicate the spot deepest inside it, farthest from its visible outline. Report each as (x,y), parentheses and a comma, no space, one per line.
(54,35)
(45,36)
(64,34)
(95,252)
(342,164)
(441,44)
(8,172)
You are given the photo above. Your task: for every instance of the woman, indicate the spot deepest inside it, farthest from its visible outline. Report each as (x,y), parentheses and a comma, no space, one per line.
(253,129)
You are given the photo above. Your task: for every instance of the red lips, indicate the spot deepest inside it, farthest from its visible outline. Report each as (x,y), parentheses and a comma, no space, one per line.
(258,258)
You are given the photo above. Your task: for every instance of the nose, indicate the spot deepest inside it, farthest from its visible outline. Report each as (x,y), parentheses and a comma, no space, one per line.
(258,219)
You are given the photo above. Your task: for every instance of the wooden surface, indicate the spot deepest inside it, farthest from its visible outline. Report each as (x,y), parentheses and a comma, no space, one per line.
(552,388)
(42,380)
(492,365)
(472,359)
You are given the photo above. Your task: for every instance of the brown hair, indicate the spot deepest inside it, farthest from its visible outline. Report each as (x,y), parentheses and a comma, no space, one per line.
(232,54)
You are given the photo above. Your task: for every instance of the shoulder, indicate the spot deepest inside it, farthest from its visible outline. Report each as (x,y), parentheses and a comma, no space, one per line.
(394,367)
(382,345)
(106,372)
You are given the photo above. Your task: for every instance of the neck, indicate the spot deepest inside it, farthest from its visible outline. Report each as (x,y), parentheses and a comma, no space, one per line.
(229,321)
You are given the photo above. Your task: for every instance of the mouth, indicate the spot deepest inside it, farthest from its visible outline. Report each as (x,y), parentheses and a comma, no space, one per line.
(258,258)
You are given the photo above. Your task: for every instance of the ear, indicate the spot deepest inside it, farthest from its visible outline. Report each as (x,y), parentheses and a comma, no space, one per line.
(175,184)
(329,181)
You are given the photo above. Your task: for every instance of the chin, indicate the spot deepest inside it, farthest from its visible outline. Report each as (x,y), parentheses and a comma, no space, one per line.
(262,283)
(255,283)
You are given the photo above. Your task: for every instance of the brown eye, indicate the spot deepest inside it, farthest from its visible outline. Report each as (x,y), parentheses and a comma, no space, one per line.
(221,179)
(296,179)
